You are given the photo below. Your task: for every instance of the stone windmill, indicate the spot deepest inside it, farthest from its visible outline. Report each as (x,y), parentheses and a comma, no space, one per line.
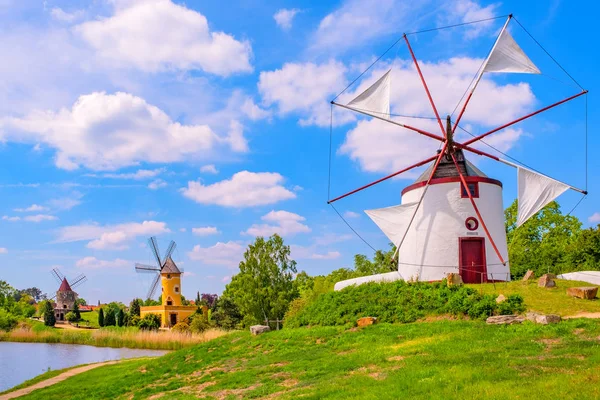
(65,295)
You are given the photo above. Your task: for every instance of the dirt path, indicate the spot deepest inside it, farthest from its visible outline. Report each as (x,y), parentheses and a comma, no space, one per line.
(584,315)
(56,379)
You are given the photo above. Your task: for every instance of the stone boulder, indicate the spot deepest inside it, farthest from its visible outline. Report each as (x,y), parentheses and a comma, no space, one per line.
(454,279)
(547,319)
(585,292)
(547,281)
(258,329)
(504,320)
(366,321)
(528,275)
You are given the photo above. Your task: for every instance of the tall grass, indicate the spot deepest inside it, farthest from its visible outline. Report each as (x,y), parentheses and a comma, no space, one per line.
(120,337)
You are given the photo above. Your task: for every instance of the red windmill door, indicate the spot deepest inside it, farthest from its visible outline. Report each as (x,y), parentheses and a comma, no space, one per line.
(472,260)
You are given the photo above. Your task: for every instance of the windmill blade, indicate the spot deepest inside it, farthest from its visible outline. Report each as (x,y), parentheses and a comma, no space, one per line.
(145,268)
(153,286)
(57,275)
(78,281)
(154,247)
(170,249)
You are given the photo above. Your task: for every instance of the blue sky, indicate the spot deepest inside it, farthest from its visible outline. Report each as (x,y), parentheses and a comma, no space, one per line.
(209,125)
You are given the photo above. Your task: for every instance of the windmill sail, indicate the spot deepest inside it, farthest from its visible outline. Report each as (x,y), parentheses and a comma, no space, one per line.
(535,192)
(376,99)
(393,221)
(507,56)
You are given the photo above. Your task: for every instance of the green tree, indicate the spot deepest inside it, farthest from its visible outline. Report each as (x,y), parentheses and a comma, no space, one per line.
(76,312)
(48,312)
(584,252)
(80,301)
(134,307)
(543,242)
(109,317)
(149,322)
(101,318)
(71,317)
(264,287)
(119,317)
(226,315)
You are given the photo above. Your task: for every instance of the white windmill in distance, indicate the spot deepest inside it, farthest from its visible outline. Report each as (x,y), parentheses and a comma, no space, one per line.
(451,218)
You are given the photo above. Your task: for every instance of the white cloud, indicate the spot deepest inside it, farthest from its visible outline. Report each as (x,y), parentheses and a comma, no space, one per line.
(254,112)
(157,184)
(284,17)
(140,174)
(304,88)
(228,254)
(468,11)
(66,203)
(244,189)
(11,219)
(284,223)
(60,15)
(94,263)
(159,35)
(205,231)
(108,131)
(330,238)
(330,255)
(109,236)
(3,250)
(311,253)
(382,147)
(32,208)
(40,218)
(594,218)
(351,214)
(209,169)
(182,230)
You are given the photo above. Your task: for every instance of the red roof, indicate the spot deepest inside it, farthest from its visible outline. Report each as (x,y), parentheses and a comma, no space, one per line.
(64,286)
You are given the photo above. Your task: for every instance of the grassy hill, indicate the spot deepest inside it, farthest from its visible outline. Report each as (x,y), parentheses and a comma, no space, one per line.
(441,359)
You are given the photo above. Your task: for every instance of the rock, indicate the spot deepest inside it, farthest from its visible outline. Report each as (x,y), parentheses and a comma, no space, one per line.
(531,316)
(454,280)
(504,320)
(258,329)
(547,319)
(500,299)
(528,275)
(547,281)
(585,292)
(366,321)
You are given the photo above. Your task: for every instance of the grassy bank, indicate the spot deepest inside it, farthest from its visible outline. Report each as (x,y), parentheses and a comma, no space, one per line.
(552,300)
(109,337)
(442,359)
(89,319)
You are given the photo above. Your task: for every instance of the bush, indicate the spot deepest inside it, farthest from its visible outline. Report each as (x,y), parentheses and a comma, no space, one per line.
(199,324)
(71,317)
(181,327)
(47,311)
(7,320)
(134,320)
(109,318)
(101,318)
(397,302)
(227,315)
(150,322)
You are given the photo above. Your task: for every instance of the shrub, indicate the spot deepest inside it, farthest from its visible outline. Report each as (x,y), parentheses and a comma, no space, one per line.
(396,302)
(101,318)
(71,316)
(109,318)
(199,324)
(48,313)
(150,322)
(134,320)
(181,327)
(7,320)
(76,311)
(227,315)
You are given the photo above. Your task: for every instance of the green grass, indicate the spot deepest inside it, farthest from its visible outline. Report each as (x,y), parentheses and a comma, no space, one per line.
(89,319)
(551,301)
(442,359)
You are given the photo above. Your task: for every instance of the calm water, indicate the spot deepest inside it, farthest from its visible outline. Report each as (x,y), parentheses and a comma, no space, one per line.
(22,361)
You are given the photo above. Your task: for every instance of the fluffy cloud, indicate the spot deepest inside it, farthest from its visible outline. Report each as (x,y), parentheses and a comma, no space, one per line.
(66,203)
(3,250)
(31,218)
(382,147)
(311,253)
(10,219)
(284,17)
(140,174)
(244,189)
(594,218)
(468,11)
(61,15)
(108,131)
(158,35)
(94,263)
(105,237)
(304,88)
(157,184)
(32,208)
(209,169)
(227,254)
(205,231)
(283,223)
(351,214)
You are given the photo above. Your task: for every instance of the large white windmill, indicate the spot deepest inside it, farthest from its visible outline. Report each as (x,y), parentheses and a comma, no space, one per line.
(451,218)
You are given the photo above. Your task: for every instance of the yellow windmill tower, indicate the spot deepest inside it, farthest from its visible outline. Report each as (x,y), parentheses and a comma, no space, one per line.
(171,310)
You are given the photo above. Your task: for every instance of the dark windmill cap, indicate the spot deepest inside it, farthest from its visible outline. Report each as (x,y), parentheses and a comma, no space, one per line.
(169,267)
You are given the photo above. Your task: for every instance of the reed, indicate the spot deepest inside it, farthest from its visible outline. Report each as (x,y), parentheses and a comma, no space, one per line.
(124,337)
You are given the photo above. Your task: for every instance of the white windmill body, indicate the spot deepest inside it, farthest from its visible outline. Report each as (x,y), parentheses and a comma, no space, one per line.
(451,219)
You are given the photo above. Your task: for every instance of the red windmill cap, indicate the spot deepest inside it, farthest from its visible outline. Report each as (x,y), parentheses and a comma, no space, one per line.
(64,286)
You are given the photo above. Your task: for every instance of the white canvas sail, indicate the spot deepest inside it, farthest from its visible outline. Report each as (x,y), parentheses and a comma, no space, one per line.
(535,192)
(376,99)
(507,56)
(393,221)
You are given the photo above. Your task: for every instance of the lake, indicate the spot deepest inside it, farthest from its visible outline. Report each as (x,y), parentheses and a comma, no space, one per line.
(22,361)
